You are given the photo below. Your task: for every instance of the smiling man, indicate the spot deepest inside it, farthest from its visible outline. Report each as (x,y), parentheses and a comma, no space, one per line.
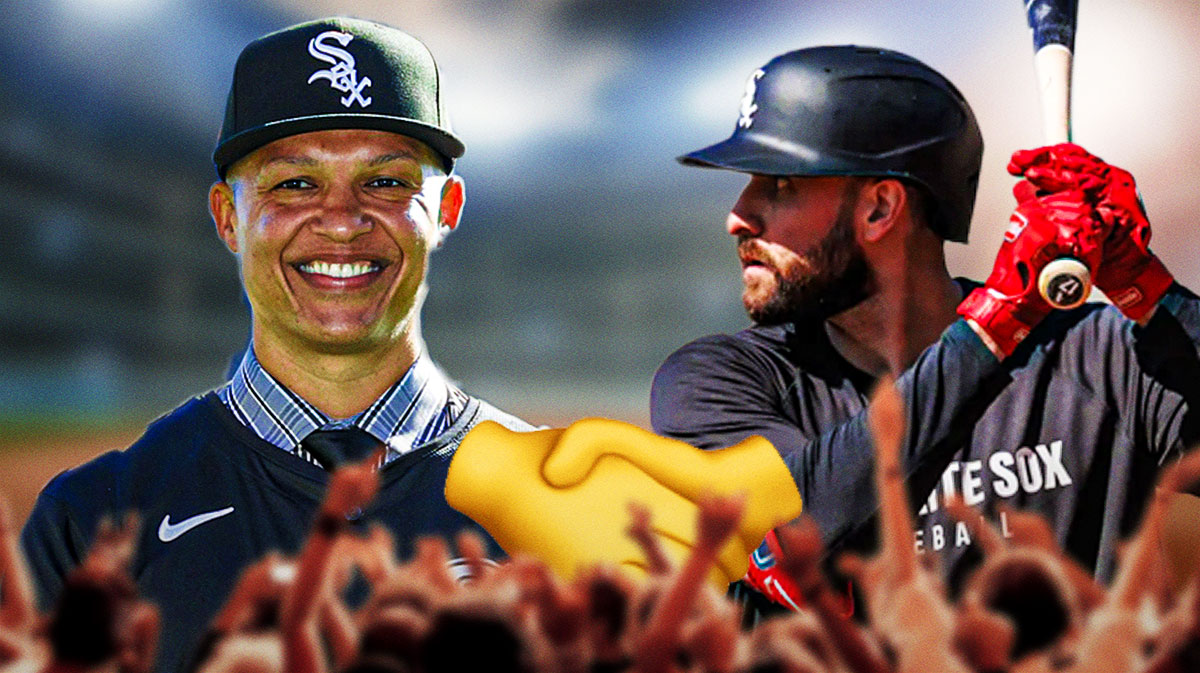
(335,186)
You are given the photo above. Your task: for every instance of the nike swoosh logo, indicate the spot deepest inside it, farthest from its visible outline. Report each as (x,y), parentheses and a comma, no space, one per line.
(168,531)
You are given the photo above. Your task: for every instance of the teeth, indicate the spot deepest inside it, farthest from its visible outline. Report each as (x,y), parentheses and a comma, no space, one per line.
(339,270)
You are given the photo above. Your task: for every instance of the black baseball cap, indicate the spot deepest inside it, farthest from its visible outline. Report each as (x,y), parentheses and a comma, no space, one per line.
(336,73)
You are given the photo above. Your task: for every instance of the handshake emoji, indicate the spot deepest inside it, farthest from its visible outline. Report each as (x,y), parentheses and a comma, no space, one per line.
(562,494)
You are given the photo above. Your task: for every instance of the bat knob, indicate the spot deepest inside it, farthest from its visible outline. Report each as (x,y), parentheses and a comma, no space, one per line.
(1065,283)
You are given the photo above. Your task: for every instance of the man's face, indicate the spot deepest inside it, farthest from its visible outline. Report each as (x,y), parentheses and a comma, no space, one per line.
(796,241)
(333,230)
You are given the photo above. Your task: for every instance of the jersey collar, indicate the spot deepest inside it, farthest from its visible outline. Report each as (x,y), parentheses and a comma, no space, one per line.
(410,412)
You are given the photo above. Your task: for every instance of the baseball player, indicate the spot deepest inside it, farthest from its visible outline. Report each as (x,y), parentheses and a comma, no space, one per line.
(862,163)
(335,184)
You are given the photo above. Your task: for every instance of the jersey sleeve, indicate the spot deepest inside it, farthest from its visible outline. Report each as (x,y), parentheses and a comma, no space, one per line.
(708,394)
(1184,306)
(1167,384)
(54,544)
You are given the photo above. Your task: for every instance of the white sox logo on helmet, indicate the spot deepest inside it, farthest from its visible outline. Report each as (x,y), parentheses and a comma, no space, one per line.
(342,76)
(749,107)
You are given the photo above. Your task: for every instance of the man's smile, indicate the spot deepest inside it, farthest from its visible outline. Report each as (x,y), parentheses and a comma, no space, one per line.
(331,274)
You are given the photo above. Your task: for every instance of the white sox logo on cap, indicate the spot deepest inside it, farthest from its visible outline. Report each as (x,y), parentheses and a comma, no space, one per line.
(749,107)
(342,76)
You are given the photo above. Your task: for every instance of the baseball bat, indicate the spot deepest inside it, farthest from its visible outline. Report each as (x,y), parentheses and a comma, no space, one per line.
(1065,282)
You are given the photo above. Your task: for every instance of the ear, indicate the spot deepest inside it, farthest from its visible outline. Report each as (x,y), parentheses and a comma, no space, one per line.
(220,206)
(454,195)
(880,206)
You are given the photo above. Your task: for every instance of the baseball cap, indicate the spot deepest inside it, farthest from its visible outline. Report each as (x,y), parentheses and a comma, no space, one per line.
(335,73)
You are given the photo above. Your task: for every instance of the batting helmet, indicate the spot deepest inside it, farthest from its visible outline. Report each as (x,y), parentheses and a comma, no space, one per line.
(851,110)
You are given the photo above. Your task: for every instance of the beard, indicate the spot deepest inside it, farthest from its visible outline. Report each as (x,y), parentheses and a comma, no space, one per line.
(812,286)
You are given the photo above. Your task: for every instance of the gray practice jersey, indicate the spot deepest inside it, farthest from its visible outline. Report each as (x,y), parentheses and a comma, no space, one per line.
(1074,425)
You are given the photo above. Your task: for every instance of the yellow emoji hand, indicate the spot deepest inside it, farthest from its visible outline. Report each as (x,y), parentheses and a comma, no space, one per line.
(562,495)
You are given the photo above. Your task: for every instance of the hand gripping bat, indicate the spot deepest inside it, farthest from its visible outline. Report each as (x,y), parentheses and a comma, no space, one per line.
(1065,282)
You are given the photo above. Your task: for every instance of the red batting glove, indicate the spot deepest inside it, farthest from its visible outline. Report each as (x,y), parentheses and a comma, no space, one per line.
(1041,230)
(1129,273)
(1061,168)
(1134,278)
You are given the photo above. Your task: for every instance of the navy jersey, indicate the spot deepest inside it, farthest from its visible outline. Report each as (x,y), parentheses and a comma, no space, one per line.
(1073,425)
(213,497)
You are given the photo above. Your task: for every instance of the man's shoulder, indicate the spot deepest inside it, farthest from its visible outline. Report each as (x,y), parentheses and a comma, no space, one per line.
(758,340)
(761,355)
(755,364)
(488,412)
(107,477)
(475,412)
(720,389)
(197,415)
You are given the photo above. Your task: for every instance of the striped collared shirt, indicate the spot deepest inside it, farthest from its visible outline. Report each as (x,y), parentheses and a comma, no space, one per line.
(415,409)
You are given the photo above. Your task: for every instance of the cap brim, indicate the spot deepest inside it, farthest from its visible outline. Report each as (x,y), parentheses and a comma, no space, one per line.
(749,152)
(237,146)
(742,152)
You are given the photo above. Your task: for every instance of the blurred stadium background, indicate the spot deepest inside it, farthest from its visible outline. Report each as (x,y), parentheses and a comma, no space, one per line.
(586,254)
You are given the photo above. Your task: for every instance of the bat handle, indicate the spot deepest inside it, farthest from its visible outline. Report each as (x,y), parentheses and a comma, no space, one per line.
(1065,283)
(1053,65)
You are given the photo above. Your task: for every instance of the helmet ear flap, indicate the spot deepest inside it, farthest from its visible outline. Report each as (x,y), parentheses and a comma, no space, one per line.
(849,110)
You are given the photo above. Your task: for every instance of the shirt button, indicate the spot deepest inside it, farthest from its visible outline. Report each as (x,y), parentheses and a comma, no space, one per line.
(354,514)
